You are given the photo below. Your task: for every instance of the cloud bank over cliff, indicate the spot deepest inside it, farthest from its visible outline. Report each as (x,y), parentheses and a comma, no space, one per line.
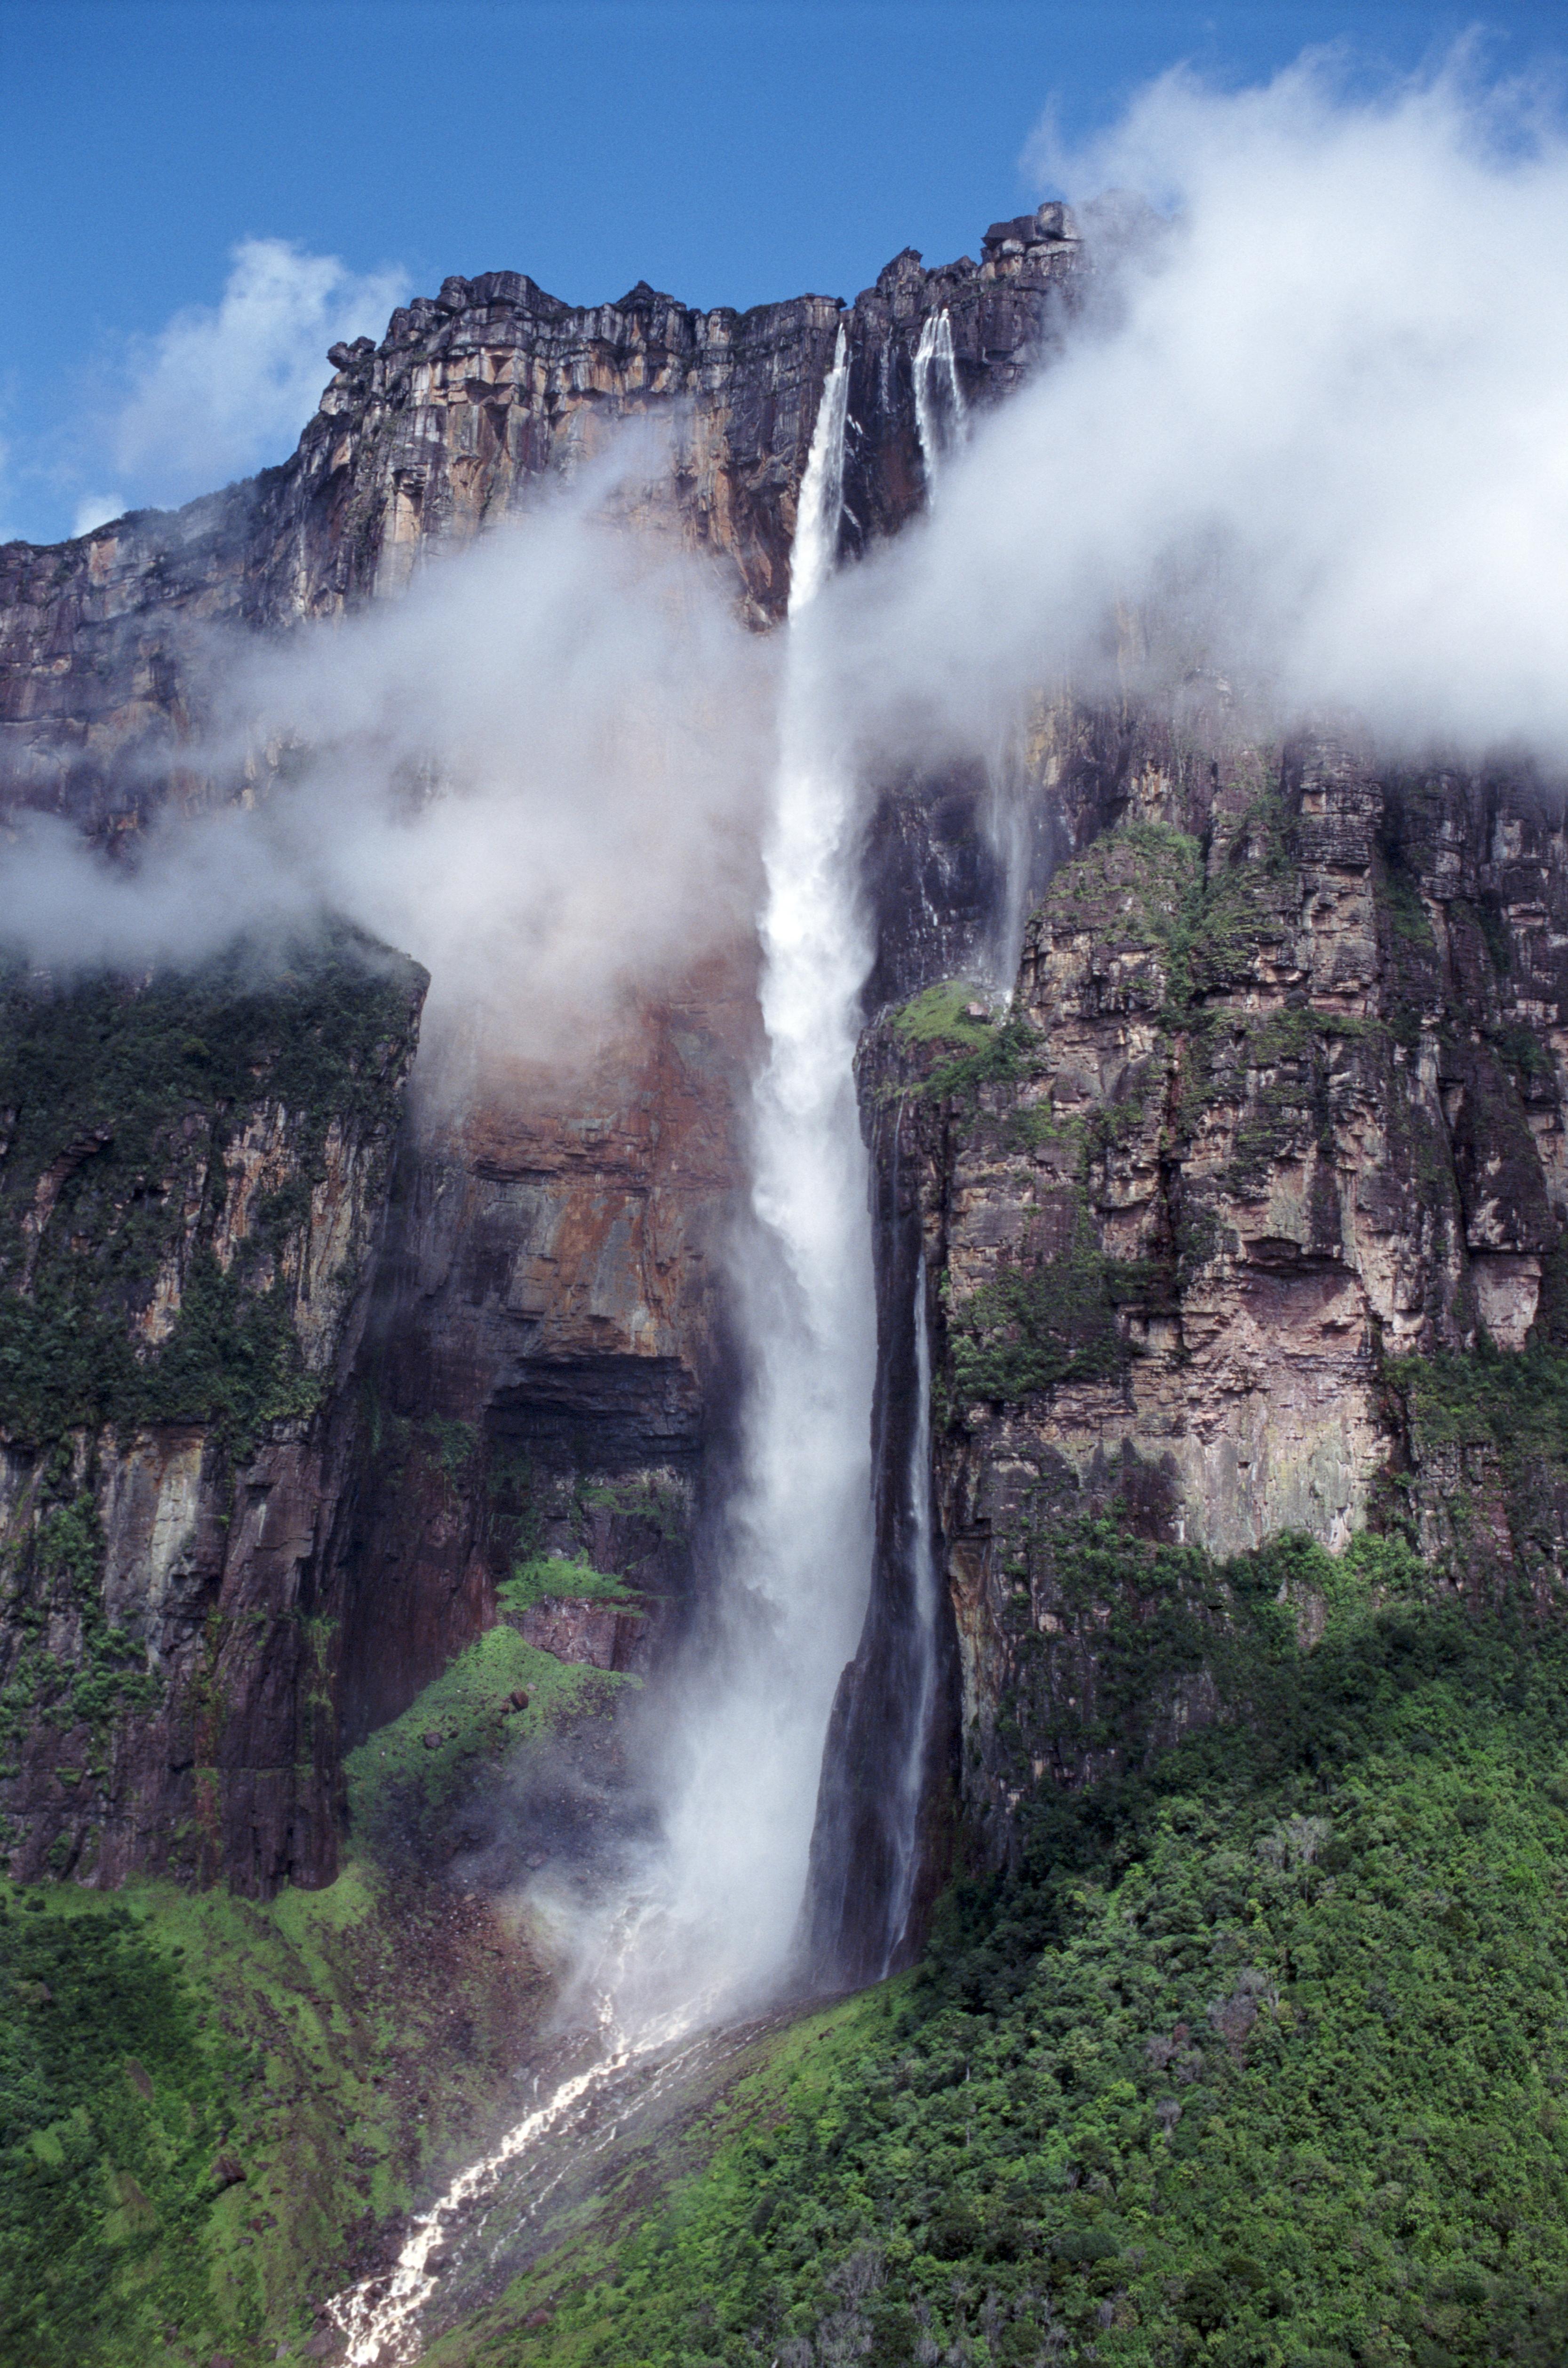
(1310,436)
(537,770)
(1316,433)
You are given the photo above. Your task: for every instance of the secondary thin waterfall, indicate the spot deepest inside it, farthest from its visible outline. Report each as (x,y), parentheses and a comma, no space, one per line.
(804,1511)
(941,422)
(922,1640)
(940,413)
(1011,818)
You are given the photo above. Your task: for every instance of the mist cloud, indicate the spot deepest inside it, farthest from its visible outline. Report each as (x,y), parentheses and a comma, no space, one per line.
(1316,433)
(537,770)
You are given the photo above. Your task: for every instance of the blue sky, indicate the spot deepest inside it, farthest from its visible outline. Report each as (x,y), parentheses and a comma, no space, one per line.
(156,156)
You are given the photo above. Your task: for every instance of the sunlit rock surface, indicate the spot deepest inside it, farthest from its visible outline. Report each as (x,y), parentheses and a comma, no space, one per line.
(1280,1102)
(471,401)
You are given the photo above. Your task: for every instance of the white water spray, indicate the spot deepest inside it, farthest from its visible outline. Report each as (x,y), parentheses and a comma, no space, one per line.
(940,413)
(710,1928)
(738,1826)
(941,422)
(379,2316)
(1008,819)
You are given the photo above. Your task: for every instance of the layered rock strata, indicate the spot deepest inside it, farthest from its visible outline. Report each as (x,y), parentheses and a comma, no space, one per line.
(547,1372)
(549,1365)
(193,1178)
(1274,1125)
(472,401)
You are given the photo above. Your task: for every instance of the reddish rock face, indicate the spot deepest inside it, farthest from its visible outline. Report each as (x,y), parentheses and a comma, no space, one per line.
(548,1359)
(1282,1100)
(1284,1096)
(553,1301)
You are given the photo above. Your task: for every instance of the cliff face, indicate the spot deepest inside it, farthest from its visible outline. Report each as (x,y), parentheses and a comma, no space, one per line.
(1220,1212)
(546,1372)
(548,1361)
(471,400)
(193,1177)
(1215,1218)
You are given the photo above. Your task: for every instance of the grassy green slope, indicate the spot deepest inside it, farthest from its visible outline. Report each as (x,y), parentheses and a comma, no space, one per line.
(1261,2058)
(204,2104)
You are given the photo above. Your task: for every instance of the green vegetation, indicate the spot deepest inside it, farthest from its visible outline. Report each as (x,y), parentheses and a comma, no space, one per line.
(406,1778)
(1517,1404)
(126,1100)
(1260,2056)
(547,1578)
(1204,921)
(942,1015)
(999,1051)
(1051,1321)
(59,1572)
(202,2100)
(1406,906)
(661,1506)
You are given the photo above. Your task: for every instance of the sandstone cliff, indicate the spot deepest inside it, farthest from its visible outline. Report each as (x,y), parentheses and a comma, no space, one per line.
(548,1367)
(1274,1111)
(1228,1215)
(471,400)
(193,1177)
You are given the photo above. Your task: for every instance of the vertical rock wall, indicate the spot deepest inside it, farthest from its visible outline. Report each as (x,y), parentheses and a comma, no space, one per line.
(1273,1133)
(193,1177)
(472,401)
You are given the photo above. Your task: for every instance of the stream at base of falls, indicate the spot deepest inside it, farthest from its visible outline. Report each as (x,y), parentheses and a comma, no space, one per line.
(708,1929)
(598,2113)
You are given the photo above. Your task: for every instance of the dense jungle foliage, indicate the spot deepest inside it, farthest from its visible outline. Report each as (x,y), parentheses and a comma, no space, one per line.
(1258,2057)
(204,2104)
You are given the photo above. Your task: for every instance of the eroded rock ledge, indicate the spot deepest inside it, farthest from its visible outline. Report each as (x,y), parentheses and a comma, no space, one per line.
(1226,1217)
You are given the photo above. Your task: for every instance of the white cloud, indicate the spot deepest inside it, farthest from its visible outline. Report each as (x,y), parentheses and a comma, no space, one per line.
(1320,437)
(95,509)
(222,391)
(539,770)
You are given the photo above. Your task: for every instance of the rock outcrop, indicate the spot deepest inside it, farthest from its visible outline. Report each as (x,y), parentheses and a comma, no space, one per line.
(192,1190)
(546,1370)
(1221,1218)
(548,1360)
(471,401)
(1270,1140)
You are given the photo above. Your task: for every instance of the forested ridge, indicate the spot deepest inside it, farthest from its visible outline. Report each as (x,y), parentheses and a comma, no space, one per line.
(1260,2056)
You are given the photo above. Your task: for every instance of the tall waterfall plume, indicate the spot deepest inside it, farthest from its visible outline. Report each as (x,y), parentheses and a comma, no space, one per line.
(741,1831)
(708,1928)
(711,1929)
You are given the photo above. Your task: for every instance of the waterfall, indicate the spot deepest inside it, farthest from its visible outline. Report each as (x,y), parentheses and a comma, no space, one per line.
(940,414)
(1012,822)
(708,1928)
(890,1734)
(742,1795)
(923,1640)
